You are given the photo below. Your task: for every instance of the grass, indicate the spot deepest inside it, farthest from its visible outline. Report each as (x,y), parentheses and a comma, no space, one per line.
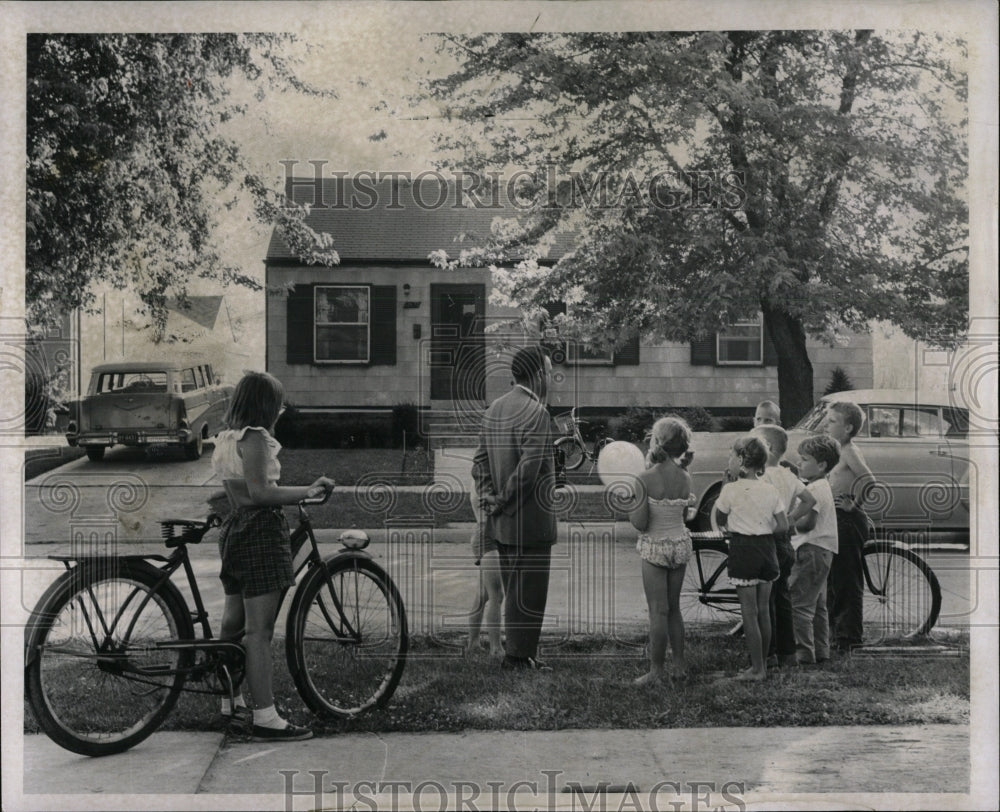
(590,688)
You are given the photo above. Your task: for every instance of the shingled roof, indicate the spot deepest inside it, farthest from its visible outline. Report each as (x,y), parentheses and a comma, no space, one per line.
(397,220)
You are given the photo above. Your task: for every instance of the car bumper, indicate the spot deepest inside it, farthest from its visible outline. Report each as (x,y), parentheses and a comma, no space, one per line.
(133,438)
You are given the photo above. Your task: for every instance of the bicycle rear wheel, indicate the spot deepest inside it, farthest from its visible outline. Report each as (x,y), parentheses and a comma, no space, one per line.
(347,638)
(902,597)
(707,594)
(96,682)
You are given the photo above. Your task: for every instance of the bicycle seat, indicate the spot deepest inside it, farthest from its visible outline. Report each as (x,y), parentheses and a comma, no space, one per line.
(192,531)
(354,539)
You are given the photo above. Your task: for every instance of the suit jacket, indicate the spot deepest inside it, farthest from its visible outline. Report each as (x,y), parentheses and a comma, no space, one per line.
(515,463)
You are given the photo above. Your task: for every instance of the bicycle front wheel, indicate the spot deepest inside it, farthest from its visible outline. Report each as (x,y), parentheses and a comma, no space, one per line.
(347,638)
(902,596)
(707,594)
(573,453)
(94,677)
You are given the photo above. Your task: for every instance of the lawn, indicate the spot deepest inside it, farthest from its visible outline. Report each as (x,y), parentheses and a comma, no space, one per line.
(590,688)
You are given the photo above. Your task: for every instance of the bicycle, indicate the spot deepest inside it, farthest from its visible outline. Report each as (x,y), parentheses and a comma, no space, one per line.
(572,447)
(902,596)
(111,643)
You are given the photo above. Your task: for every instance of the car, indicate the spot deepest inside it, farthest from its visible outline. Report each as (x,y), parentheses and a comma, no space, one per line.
(916,445)
(149,403)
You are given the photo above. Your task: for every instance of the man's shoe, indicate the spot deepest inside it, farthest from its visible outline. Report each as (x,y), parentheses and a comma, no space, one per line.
(290,733)
(524,664)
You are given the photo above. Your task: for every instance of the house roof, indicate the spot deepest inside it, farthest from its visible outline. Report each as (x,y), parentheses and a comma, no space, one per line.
(399,220)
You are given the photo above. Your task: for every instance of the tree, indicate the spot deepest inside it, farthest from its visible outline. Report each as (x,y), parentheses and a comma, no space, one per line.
(129,164)
(815,177)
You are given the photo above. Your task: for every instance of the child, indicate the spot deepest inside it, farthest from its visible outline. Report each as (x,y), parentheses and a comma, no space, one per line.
(851,475)
(489,590)
(792,491)
(767,413)
(753,512)
(663,492)
(815,544)
(254,542)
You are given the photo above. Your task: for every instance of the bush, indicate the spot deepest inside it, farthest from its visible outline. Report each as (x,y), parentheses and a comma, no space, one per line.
(839,382)
(405,420)
(633,425)
(348,430)
(735,422)
(696,417)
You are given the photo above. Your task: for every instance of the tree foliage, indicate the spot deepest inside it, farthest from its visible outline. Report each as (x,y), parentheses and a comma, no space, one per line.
(129,164)
(818,177)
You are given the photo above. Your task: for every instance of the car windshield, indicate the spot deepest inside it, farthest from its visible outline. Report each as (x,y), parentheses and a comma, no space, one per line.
(813,419)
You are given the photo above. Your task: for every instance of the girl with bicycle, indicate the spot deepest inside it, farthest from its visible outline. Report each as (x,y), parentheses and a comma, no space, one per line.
(751,509)
(664,545)
(254,541)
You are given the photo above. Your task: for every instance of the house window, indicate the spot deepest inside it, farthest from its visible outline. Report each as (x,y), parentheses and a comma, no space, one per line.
(574,352)
(341,324)
(742,344)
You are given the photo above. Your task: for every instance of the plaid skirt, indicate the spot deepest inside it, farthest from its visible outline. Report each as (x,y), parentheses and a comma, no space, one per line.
(256,552)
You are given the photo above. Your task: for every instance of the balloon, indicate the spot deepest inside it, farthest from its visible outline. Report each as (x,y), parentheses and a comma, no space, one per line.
(619,461)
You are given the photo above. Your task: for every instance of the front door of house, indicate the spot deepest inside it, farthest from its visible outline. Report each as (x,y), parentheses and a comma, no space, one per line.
(458,348)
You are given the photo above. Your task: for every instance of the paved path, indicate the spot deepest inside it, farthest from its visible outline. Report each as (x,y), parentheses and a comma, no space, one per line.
(836,765)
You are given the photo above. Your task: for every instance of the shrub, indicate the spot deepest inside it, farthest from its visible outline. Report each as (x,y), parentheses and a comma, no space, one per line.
(633,425)
(347,430)
(696,417)
(734,422)
(405,419)
(839,382)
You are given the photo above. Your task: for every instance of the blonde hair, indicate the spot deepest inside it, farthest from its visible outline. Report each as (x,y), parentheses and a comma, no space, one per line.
(257,401)
(669,437)
(853,415)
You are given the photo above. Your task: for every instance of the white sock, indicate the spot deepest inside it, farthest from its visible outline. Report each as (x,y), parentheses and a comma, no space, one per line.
(268,717)
(227,707)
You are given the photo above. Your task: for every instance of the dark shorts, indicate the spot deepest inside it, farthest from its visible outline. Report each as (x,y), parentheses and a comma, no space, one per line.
(256,552)
(482,543)
(752,559)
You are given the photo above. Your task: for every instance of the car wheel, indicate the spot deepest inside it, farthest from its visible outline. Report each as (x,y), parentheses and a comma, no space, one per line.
(192,450)
(95,453)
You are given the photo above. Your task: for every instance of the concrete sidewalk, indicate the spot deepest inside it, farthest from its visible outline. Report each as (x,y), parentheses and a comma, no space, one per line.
(543,769)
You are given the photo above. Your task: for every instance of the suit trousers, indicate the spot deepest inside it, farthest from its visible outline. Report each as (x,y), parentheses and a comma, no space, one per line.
(847,580)
(525,572)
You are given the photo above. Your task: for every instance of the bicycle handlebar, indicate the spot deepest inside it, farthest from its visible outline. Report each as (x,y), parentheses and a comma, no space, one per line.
(322,499)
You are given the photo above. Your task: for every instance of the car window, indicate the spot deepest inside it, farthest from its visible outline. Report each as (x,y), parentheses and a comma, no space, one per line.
(813,419)
(956,421)
(920,422)
(136,382)
(187,380)
(883,421)
(199,377)
(208,375)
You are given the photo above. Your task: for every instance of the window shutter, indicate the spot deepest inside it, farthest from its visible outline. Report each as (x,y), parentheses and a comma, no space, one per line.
(703,351)
(770,353)
(300,325)
(628,355)
(383,325)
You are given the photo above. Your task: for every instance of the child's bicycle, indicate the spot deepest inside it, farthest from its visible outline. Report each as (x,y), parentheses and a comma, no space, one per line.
(572,448)
(111,643)
(902,597)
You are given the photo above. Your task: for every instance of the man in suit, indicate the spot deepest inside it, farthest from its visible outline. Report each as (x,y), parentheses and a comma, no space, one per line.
(514,471)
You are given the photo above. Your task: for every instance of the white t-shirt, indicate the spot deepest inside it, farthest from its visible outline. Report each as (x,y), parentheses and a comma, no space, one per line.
(824,534)
(786,483)
(752,505)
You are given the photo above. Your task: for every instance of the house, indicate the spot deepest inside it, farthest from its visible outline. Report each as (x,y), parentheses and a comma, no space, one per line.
(386,327)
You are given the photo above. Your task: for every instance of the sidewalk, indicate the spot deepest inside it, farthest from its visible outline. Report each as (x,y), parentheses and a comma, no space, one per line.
(545,769)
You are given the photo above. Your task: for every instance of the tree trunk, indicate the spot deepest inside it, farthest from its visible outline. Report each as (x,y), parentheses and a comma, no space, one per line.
(795,372)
